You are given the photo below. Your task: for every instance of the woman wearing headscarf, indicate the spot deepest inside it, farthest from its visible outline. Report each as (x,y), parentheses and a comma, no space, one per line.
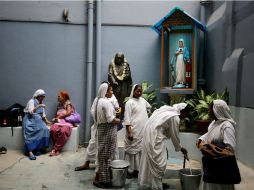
(36,133)
(106,121)
(135,117)
(91,149)
(61,129)
(220,131)
(163,124)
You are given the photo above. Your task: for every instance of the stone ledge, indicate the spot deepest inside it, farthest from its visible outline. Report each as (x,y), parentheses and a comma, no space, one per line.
(16,142)
(73,142)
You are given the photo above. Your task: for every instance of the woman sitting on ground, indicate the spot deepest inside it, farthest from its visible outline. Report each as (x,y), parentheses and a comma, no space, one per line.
(61,129)
(36,133)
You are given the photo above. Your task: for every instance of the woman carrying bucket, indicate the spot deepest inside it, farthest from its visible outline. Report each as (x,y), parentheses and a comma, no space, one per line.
(163,124)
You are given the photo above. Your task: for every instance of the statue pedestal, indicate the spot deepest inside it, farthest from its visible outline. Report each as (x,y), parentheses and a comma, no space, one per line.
(170,90)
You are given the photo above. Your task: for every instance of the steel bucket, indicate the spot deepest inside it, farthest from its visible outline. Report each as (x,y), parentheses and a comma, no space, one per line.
(190,179)
(118,172)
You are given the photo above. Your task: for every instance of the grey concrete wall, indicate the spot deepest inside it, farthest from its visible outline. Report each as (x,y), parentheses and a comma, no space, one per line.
(244,131)
(113,12)
(234,29)
(43,11)
(47,56)
(38,49)
(143,12)
(141,47)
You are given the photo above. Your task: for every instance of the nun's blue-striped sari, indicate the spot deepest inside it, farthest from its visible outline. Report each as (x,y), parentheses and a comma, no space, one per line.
(36,133)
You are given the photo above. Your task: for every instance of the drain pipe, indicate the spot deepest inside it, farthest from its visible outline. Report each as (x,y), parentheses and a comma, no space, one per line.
(202,44)
(98,43)
(89,69)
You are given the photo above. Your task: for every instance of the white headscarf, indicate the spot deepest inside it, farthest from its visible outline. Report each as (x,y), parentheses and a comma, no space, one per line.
(39,92)
(179,107)
(217,127)
(181,40)
(132,90)
(222,111)
(101,94)
(102,90)
(165,112)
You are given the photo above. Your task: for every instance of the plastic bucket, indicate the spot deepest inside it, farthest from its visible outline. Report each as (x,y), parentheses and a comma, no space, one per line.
(118,172)
(190,179)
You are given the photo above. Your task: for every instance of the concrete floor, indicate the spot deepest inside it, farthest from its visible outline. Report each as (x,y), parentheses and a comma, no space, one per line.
(53,173)
(47,173)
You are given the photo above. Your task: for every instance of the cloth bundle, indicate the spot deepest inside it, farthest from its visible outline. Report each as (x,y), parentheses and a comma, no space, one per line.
(219,164)
(73,118)
(216,150)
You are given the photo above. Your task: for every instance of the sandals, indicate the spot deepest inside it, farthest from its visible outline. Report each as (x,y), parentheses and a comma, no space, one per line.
(101,185)
(165,185)
(37,153)
(135,174)
(3,150)
(54,153)
(80,168)
(85,166)
(32,157)
(129,175)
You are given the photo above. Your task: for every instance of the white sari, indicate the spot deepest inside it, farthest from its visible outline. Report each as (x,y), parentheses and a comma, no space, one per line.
(223,127)
(136,116)
(163,124)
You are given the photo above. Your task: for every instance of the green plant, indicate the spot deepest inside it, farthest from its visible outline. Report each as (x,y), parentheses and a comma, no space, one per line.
(200,102)
(148,94)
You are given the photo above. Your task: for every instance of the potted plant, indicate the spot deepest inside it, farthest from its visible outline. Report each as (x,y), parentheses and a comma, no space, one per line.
(149,95)
(200,102)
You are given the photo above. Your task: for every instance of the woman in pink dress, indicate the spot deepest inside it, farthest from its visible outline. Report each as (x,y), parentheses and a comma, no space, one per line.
(60,131)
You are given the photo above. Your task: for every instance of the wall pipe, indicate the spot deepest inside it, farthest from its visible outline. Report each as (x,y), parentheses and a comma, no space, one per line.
(202,44)
(98,43)
(89,69)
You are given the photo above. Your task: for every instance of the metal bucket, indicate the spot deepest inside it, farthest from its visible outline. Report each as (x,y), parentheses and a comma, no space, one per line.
(118,172)
(190,179)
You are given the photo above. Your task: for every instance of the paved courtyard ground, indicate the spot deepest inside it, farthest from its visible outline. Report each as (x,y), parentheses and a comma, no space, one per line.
(57,173)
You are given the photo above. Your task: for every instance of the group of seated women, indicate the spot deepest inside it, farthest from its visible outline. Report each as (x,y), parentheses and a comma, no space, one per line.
(38,129)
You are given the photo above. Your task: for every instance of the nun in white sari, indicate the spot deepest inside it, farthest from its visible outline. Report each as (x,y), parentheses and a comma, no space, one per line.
(222,129)
(163,124)
(135,117)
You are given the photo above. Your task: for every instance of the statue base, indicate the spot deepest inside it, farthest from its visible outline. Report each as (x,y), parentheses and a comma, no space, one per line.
(179,86)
